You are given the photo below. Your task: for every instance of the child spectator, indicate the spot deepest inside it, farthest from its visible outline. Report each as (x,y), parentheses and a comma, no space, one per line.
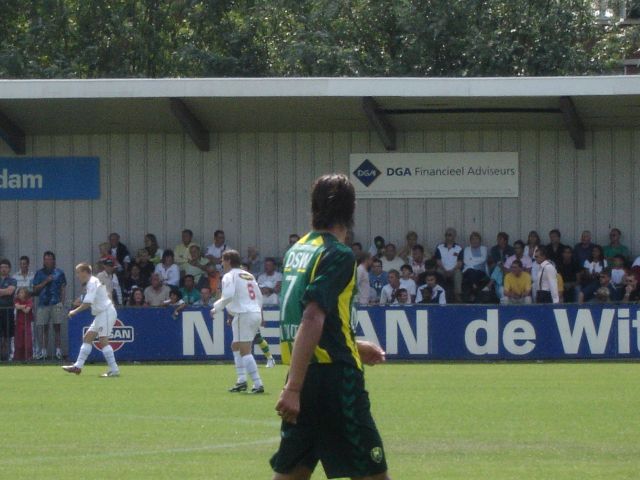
(24,320)
(175,301)
(618,271)
(407,282)
(431,292)
(402,297)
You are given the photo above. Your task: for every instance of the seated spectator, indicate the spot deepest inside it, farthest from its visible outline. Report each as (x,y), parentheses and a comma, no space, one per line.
(545,284)
(389,292)
(105,254)
(555,247)
(635,268)
(206,298)
(356,248)
(378,278)
(518,254)
(121,253)
(176,302)
(613,294)
(417,261)
(197,264)
(157,293)
(569,270)
(618,271)
(631,292)
(269,297)
(293,239)
(132,281)
(189,292)
(151,246)
(602,295)
(431,292)
(168,271)
(181,254)
(407,282)
(362,278)
(615,247)
(406,251)
(145,266)
(590,277)
(377,248)
(216,249)
(448,257)
(110,280)
(253,261)
(474,273)
(582,250)
(24,322)
(500,252)
(402,297)
(517,286)
(212,280)
(390,261)
(136,299)
(271,277)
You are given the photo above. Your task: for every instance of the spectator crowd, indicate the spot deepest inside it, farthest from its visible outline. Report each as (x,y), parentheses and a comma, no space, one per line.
(522,272)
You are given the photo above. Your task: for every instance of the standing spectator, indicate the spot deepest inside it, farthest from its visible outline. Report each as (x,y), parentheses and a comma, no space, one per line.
(582,250)
(517,286)
(24,319)
(216,249)
(206,298)
(137,298)
(388,295)
(390,261)
(271,277)
(197,264)
(449,260)
(151,246)
(417,261)
(615,247)
(7,325)
(518,254)
(406,251)
(500,252)
(431,292)
(145,266)
(253,261)
(120,251)
(24,279)
(569,270)
(168,270)
(364,289)
(378,278)
(475,272)
(407,282)
(181,253)
(555,247)
(190,293)
(50,284)
(545,284)
(157,293)
(110,280)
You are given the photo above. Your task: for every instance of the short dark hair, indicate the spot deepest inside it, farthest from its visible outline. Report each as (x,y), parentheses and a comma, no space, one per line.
(294,235)
(362,257)
(333,202)
(556,231)
(189,276)
(186,230)
(24,257)
(517,262)
(394,272)
(358,244)
(519,242)
(175,291)
(167,253)
(406,266)
(233,257)
(49,253)
(504,236)
(218,232)
(270,259)
(5,261)
(606,271)
(419,247)
(376,260)
(431,273)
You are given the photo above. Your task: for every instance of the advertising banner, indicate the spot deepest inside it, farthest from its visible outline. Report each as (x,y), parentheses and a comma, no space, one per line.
(451,332)
(435,175)
(49,178)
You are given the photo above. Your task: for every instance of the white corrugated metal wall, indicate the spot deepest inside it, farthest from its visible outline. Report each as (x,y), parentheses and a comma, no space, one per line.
(255,186)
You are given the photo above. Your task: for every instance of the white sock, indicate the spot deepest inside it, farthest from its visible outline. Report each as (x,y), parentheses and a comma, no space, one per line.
(252,369)
(110,358)
(242,373)
(83,354)
(12,348)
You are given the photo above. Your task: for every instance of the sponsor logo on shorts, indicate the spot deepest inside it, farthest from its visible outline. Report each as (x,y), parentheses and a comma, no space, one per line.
(377,455)
(120,334)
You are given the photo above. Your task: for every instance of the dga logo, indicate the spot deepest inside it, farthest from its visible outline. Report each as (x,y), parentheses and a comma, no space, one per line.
(120,335)
(377,455)
(367,173)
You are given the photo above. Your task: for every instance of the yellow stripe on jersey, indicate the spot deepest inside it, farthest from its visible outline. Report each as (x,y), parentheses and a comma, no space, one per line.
(322,356)
(344,312)
(285,353)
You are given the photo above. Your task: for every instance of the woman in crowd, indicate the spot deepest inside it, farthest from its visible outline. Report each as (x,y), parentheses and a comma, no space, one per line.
(151,246)
(590,280)
(168,271)
(137,298)
(24,318)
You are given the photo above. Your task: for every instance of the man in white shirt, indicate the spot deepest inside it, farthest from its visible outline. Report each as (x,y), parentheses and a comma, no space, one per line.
(242,298)
(390,261)
(96,299)
(364,288)
(390,290)
(545,283)
(449,260)
(216,249)
(108,278)
(271,277)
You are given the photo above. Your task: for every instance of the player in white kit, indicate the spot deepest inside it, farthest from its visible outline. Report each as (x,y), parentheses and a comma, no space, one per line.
(242,298)
(97,299)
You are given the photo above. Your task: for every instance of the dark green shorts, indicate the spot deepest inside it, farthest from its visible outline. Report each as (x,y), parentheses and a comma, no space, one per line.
(334,427)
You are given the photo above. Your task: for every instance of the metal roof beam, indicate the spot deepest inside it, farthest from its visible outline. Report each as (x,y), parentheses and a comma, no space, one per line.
(380,123)
(13,135)
(573,122)
(191,125)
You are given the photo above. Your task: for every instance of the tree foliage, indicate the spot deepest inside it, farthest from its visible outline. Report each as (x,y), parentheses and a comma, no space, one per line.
(199,38)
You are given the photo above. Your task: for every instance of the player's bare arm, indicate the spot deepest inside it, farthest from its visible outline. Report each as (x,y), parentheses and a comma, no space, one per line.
(306,341)
(370,353)
(81,308)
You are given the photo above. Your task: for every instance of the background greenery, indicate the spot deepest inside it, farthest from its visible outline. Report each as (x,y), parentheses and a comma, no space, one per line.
(197,38)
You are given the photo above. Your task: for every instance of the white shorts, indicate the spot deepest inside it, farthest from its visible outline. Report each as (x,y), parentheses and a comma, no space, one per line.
(104,322)
(245,326)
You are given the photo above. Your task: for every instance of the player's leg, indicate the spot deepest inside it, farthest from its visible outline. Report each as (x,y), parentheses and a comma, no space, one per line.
(241,372)
(58,314)
(299,473)
(83,354)
(105,322)
(110,358)
(249,324)
(44,318)
(264,346)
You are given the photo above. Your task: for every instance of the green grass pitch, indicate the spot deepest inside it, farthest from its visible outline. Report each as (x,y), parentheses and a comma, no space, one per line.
(439,421)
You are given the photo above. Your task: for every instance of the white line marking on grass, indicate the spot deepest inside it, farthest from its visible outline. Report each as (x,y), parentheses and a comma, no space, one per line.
(136,453)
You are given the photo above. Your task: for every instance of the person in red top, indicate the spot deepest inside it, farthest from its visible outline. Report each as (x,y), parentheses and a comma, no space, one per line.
(24,319)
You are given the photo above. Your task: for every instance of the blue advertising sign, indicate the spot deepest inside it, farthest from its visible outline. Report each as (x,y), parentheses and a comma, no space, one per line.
(49,178)
(406,333)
